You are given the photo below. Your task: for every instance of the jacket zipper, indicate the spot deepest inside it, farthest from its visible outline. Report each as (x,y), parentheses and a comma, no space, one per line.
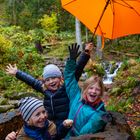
(52,105)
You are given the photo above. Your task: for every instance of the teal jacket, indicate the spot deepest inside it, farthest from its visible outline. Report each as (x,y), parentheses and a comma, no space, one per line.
(86,119)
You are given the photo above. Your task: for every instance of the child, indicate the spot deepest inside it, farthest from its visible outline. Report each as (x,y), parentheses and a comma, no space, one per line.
(86,107)
(56,100)
(36,126)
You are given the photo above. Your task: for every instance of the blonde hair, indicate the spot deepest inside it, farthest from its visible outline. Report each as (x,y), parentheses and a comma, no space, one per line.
(45,87)
(91,81)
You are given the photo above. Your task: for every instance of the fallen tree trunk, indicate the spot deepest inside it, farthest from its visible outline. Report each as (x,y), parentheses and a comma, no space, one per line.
(127,54)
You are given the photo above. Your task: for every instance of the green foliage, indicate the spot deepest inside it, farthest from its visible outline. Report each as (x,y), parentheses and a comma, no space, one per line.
(37,34)
(49,23)
(3,101)
(26,13)
(124,65)
(66,36)
(5,44)
(99,69)
(116,91)
(137,134)
(131,82)
(18,47)
(121,104)
(96,68)
(60,51)
(138,60)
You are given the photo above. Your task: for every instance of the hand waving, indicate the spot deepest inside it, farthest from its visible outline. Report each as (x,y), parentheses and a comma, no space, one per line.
(12,70)
(74,51)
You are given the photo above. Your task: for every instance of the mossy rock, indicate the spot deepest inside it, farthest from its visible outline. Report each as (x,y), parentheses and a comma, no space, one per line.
(5,108)
(18,96)
(3,101)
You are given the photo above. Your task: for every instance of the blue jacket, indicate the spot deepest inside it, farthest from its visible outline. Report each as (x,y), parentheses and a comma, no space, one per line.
(86,119)
(35,133)
(57,104)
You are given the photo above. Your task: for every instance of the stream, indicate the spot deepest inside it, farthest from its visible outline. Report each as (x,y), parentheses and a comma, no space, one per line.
(110,71)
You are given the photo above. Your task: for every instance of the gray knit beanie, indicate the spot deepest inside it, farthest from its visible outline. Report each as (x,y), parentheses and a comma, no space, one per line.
(28,105)
(51,70)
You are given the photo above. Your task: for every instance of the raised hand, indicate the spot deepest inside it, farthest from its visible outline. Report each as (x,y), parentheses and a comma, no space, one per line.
(12,70)
(74,51)
(88,47)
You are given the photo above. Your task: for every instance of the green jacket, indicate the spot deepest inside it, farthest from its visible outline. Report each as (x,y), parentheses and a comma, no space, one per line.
(86,119)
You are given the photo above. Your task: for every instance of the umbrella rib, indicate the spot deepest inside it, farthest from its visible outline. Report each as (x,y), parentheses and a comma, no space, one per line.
(128,6)
(113,11)
(101,16)
(69,2)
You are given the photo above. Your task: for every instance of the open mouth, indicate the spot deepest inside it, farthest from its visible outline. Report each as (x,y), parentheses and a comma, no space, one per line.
(53,85)
(93,96)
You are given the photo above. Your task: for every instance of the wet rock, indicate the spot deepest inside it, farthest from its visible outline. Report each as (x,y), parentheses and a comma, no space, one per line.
(13,102)
(11,121)
(104,136)
(108,87)
(57,61)
(118,129)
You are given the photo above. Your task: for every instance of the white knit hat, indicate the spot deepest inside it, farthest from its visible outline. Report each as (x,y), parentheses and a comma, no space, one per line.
(28,105)
(51,70)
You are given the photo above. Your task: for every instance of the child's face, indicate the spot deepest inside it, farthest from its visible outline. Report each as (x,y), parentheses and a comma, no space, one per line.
(53,83)
(38,118)
(93,93)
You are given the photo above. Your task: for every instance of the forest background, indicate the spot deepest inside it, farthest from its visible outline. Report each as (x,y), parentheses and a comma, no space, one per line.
(25,23)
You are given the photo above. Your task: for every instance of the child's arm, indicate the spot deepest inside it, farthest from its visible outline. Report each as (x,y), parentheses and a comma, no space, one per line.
(94,125)
(83,59)
(28,79)
(11,136)
(71,83)
(63,129)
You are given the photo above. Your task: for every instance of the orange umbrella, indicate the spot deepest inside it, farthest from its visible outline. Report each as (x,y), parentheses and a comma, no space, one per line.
(108,18)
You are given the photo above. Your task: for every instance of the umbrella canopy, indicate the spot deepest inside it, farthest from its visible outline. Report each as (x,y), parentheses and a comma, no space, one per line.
(108,18)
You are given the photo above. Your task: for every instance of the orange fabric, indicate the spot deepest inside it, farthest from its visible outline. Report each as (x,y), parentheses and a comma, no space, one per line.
(121,17)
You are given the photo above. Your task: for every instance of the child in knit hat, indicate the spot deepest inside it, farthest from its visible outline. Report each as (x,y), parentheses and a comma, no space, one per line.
(56,101)
(36,125)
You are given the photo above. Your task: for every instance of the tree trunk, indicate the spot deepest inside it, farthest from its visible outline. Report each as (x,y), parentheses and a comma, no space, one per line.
(98,48)
(78,33)
(86,34)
